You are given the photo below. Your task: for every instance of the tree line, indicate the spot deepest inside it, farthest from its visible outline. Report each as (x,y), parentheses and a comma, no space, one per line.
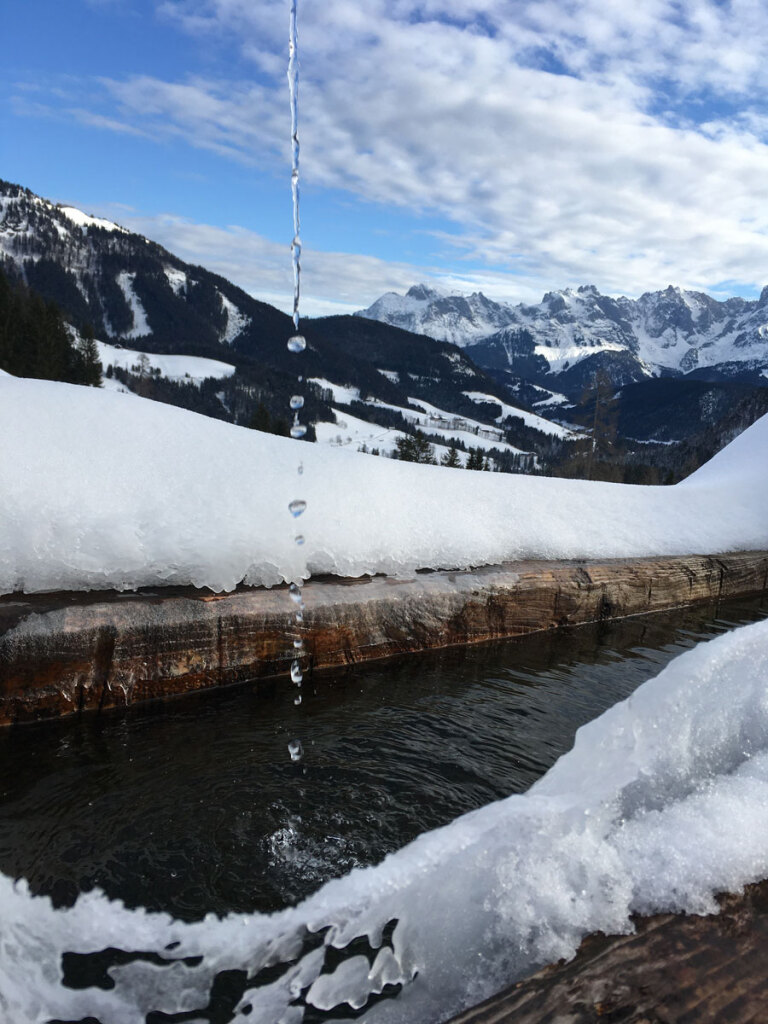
(35,340)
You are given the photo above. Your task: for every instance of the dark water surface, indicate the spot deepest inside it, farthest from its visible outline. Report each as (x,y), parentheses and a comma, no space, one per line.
(193,805)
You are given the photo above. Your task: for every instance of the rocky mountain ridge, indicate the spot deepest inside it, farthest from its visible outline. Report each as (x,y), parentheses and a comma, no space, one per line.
(135,296)
(670,332)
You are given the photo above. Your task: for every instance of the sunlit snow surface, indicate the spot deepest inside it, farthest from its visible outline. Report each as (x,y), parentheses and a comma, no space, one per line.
(99,489)
(193,369)
(662,803)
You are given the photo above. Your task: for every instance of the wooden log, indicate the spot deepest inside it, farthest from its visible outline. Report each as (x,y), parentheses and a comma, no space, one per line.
(65,653)
(675,969)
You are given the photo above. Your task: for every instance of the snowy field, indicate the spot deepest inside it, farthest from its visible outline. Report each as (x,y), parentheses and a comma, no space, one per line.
(100,490)
(662,802)
(354,432)
(192,369)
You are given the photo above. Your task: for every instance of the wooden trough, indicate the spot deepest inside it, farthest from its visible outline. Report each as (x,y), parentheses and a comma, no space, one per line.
(675,969)
(67,653)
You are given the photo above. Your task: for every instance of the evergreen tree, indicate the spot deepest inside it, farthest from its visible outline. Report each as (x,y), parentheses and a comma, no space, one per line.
(92,368)
(261,420)
(451,458)
(414,448)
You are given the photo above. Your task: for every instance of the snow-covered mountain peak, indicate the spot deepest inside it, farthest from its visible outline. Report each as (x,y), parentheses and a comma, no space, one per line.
(424,293)
(452,317)
(675,329)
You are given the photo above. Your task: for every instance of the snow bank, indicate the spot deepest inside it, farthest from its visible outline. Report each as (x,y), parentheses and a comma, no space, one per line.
(662,803)
(99,489)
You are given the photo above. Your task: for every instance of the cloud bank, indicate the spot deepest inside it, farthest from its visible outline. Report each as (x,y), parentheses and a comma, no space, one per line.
(568,141)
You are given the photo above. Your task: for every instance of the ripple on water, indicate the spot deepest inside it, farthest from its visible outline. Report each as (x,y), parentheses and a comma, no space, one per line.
(192,805)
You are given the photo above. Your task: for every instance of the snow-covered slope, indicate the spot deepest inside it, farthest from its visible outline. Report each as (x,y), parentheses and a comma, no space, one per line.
(674,329)
(123,284)
(117,491)
(178,368)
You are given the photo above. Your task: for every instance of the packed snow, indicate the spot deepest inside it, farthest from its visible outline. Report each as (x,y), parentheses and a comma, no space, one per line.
(118,491)
(178,368)
(660,805)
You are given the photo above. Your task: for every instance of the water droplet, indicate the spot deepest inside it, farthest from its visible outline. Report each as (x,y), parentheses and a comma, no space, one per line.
(296,750)
(300,469)
(298,430)
(298,643)
(297,343)
(297,699)
(296,674)
(295,591)
(297,402)
(299,538)
(298,618)
(297,506)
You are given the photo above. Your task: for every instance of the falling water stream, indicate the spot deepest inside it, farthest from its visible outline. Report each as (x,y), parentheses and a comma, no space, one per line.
(296,345)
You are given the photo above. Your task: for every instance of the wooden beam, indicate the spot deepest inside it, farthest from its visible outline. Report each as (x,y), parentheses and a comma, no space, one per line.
(65,653)
(675,968)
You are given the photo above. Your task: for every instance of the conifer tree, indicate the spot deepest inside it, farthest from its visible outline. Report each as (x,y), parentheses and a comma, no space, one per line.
(92,368)
(451,458)
(260,420)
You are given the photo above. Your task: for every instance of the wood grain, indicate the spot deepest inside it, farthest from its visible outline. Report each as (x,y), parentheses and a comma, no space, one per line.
(675,969)
(66,653)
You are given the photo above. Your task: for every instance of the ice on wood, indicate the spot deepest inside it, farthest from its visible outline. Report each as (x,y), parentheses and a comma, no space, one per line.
(100,490)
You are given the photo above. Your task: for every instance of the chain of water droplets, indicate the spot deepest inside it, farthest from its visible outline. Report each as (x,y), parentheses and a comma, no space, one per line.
(296,344)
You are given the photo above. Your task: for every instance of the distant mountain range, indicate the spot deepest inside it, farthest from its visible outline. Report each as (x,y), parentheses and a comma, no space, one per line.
(139,298)
(517,382)
(570,335)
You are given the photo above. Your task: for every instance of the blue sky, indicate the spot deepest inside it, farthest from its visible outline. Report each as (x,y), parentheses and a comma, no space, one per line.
(512,146)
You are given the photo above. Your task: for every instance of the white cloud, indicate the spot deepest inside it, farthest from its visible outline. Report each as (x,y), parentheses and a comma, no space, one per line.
(332,282)
(599,172)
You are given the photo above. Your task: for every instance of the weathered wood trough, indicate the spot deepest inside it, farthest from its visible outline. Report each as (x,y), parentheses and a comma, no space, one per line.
(66,653)
(675,969)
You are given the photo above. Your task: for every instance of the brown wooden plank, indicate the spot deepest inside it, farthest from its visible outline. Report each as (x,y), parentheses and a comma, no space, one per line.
(68,652)
(675,969)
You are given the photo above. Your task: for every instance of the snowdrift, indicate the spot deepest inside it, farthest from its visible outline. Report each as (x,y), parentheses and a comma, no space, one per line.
(102,490)
(662,802)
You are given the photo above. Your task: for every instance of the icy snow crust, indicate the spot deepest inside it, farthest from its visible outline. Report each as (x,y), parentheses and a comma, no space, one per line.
(661,803)
(100,490)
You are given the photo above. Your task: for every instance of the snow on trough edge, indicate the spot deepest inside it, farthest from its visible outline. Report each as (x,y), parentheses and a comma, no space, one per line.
(102,490)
